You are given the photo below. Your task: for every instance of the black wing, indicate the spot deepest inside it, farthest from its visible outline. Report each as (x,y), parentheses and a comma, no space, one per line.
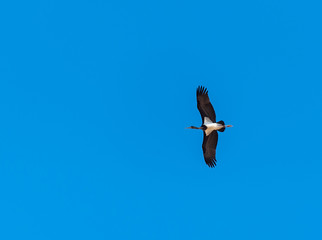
(209,148)
(204,106)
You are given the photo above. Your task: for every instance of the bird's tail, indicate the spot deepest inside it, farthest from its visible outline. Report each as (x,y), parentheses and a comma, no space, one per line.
(222,123)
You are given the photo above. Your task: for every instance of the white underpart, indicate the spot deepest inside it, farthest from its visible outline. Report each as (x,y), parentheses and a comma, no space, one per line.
(211,126)
(206,120)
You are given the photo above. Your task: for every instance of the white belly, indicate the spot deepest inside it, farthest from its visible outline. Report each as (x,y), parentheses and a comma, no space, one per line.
(211,127)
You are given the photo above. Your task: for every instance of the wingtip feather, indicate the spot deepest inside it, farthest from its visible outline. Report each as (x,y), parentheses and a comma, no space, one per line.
(212,163)
(201,90)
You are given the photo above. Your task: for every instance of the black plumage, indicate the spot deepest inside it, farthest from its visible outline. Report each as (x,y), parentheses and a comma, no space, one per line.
(209,146)
(209,126)
(209,143)
(204,106)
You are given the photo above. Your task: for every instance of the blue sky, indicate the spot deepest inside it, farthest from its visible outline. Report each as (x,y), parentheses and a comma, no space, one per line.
(95,96)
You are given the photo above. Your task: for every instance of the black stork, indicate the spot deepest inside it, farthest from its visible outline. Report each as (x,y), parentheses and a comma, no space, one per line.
(209,126)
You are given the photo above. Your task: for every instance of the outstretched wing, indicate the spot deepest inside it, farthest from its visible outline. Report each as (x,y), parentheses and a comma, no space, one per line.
(204,106)
(209,148)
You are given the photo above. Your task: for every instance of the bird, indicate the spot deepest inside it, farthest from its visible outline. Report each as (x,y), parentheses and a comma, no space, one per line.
(209,126)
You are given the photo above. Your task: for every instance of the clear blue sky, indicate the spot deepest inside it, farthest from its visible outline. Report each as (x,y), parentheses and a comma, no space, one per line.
(95,96)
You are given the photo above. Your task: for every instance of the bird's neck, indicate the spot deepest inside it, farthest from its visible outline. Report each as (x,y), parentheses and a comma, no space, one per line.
(193,127)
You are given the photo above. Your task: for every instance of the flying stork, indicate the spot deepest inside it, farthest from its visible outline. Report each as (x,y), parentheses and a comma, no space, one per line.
(209,126)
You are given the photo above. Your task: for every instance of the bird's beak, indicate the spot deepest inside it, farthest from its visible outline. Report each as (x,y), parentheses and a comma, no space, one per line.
(229,126)
(188,128)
